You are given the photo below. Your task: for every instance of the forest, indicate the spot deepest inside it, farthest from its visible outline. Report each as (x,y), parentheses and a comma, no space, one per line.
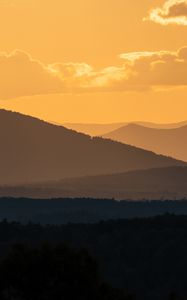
(139,258)
(84,210)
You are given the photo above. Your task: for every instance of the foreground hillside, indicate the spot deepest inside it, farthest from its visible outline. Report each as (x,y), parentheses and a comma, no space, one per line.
(146,257)
(34,151)
(171,142)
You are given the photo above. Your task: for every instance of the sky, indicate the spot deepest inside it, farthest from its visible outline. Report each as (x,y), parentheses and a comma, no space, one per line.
(94,61)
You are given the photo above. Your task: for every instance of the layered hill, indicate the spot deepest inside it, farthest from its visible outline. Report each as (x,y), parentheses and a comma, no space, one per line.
(153,184)
(170,142)
(35,151)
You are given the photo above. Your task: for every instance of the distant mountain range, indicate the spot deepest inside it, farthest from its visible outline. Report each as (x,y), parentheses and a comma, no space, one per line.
(170,142)
(93,129)
(102,129)
(154,184)
(35,151)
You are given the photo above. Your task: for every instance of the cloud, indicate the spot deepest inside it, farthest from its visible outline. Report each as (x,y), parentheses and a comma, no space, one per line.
(22,76)
(7,3)
(157,69)
(142,71)
(172,12)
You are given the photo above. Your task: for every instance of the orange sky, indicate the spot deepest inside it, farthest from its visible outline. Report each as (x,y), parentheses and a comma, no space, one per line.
(94,61)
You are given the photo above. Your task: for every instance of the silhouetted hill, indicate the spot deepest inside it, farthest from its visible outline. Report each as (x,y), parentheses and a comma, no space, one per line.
(171,142)
(33,150)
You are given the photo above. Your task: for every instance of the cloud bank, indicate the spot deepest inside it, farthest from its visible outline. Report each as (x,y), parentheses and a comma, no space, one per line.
(172,12)
(22,76)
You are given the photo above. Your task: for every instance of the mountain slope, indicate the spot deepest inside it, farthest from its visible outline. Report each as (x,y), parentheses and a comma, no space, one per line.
(33,150)
(170,142)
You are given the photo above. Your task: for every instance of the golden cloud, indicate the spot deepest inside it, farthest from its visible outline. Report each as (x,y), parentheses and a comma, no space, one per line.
(21,75)
(157,69)
(172,12)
